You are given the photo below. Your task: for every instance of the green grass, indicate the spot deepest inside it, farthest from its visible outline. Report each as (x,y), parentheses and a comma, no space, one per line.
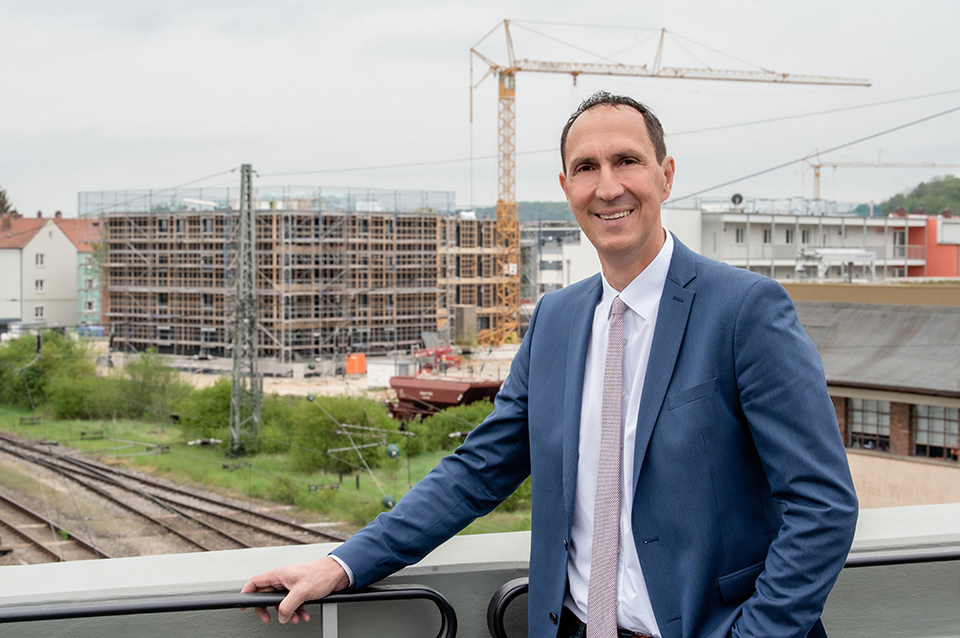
(261,476)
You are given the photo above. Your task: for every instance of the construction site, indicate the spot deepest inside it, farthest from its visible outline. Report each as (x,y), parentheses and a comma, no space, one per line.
(337,270)
(312,274)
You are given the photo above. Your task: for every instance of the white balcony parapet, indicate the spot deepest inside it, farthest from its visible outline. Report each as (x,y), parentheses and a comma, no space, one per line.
(913,600)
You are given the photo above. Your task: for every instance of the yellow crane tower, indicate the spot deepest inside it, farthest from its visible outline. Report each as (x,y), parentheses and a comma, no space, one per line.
(507,230)
(819,164)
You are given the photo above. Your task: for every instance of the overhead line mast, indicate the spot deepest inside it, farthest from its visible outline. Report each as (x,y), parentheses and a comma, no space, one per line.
(507,240)
(246,394)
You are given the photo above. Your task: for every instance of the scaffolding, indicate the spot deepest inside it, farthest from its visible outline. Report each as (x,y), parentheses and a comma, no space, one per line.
(337,270)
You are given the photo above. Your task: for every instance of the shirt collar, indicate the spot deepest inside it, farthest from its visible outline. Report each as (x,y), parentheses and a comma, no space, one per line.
(642,295)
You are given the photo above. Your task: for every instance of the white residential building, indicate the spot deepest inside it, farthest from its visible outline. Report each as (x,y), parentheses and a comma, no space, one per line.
(38,270)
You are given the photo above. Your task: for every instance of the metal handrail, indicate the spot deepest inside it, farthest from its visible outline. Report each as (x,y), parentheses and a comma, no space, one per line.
(510,590)
(164,604)
(877,559)
(500,601)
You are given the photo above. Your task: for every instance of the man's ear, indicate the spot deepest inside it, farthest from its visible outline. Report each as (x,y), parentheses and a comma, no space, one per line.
(563,183)
(668,166)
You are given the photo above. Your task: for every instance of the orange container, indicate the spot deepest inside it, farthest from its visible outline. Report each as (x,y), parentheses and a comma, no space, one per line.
(357,364)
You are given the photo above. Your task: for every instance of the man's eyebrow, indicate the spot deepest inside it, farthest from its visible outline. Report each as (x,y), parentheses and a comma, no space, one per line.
(618,155)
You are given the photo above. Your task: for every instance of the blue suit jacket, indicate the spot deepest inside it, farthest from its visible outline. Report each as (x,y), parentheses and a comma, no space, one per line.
(744,508)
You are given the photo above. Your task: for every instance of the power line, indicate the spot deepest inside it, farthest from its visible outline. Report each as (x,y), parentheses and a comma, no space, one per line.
(555,149)
(824,152)
(812,113)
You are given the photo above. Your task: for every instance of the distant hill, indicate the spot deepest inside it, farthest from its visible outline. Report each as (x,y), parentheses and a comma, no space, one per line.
(533,211)
(933,197)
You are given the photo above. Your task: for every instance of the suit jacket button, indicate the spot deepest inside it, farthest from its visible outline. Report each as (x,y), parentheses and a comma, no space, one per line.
(553,618)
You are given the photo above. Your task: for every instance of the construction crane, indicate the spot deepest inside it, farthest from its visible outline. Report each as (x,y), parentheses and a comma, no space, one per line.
(878,164)
(507,230)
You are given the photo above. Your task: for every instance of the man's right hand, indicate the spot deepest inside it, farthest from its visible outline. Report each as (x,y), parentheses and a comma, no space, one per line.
(304,582)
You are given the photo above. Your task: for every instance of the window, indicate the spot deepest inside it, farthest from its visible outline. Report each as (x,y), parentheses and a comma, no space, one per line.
(869,424)
(789,236)
(38,285)
(39,260)
(206,300)
(38,312)
(804,236)
(935,432)
(899,243)
(88,283)
(738,235)
(162,226)
(162,300)
(88,306)
(206,225)
(179,225)
(767,235)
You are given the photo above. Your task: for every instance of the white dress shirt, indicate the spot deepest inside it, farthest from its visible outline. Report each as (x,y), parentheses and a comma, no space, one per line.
(642,297)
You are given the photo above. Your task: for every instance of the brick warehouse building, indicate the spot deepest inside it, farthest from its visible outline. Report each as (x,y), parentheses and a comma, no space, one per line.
(893,373)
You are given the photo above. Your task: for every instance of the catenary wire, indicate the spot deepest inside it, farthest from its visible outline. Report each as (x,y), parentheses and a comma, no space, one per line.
(824,152)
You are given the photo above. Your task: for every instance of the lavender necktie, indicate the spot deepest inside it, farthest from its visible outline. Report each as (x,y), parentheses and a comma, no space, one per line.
(602,591)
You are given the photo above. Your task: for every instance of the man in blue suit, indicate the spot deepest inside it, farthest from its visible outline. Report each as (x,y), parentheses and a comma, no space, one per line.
(737,509)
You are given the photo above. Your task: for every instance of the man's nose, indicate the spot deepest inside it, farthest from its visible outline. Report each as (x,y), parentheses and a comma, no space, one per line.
(609,186)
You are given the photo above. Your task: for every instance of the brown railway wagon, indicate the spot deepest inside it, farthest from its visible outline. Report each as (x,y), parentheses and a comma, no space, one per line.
(425,396)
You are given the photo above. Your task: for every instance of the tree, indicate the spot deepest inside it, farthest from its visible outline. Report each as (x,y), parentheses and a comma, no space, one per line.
(941,193)
(5,205)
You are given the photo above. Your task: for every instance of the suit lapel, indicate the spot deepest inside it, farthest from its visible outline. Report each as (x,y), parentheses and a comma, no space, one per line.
(581,323)
(675,303)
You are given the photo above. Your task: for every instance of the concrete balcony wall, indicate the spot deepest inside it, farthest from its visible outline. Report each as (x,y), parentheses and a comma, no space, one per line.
(904,601)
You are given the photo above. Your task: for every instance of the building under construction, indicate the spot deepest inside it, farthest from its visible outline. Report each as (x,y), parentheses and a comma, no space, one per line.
(338,270)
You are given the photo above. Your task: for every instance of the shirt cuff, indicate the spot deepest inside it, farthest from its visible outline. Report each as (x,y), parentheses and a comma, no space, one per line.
(346,568)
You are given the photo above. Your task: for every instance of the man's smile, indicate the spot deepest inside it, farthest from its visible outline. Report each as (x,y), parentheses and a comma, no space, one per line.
(618,215)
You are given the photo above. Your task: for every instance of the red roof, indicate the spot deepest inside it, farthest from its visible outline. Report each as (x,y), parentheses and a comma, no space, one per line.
(20,231)
(82,232)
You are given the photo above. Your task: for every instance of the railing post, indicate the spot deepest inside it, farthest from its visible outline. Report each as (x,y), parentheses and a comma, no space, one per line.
(328,622)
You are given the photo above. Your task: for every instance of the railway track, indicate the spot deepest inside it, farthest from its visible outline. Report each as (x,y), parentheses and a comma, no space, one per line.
(38,539)
(199,522)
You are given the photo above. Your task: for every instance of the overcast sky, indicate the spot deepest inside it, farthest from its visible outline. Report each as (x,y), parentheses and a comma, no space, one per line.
(121,94)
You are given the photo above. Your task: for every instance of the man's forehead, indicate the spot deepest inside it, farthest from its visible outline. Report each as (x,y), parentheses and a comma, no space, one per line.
(609,119)
(624,118)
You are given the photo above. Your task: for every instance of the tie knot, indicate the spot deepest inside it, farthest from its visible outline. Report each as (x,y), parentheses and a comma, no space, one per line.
(616,310)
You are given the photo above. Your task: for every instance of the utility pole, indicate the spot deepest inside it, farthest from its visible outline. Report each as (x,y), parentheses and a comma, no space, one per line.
(246,396)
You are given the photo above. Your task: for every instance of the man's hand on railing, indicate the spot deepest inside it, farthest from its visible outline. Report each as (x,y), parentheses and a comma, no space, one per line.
(304,582)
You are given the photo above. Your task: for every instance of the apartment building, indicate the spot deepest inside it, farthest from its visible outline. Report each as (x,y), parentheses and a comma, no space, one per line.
(38,265)
(797,246)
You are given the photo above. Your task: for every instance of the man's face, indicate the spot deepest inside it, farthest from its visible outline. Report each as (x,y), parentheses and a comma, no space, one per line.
(615,186)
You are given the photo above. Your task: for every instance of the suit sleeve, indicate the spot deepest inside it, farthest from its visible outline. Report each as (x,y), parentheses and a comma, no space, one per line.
(489,466)
(792,420)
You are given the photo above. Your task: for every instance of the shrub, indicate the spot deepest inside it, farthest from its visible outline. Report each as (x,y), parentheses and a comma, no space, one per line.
(150,388)
(283,490)
(205,413)
(25,377)
(276,423)
(433,433)
(315,431)
(73,397)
